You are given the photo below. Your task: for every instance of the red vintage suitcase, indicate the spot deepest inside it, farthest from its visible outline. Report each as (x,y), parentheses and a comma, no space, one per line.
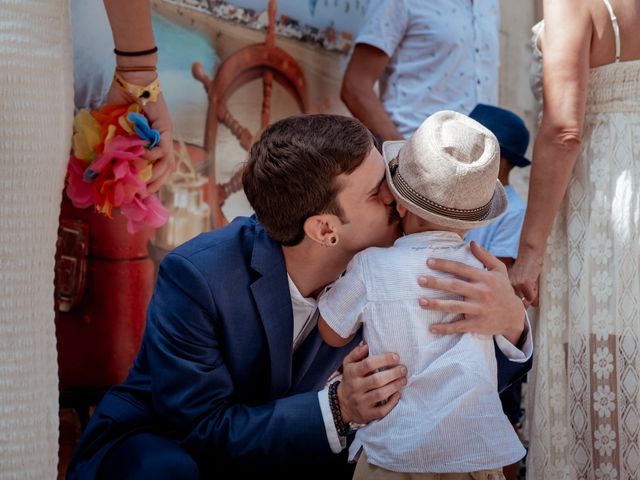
(104,281)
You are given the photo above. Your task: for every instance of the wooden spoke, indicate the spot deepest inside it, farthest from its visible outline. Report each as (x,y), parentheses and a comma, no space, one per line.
(267,87)
(258,61)
(241,133)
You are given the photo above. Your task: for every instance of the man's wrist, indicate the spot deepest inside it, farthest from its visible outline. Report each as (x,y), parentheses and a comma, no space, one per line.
(342,425)
(336,442)
(518,336)
(340,396)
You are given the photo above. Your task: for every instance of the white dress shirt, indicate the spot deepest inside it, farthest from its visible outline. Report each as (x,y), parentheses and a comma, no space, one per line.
(443,55)
(449,418)
(304,311)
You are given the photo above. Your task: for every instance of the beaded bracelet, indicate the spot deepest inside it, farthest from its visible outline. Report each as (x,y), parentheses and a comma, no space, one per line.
(342,428)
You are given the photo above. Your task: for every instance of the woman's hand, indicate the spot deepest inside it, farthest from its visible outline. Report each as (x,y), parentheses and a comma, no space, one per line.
(524,276)
(158,114)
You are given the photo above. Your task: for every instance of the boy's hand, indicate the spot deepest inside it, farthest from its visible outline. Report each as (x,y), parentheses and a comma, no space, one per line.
(370,386)
(490,305)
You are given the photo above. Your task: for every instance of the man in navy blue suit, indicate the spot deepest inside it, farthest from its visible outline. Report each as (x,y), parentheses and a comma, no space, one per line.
(231,374)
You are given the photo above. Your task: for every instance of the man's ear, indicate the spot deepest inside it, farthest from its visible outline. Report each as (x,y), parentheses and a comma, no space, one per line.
(322,229)
(401,209)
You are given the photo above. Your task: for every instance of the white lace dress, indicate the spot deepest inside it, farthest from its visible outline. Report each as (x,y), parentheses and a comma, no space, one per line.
(585,390)
(36,101)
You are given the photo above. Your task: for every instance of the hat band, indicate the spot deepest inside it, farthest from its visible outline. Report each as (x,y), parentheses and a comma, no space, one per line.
(410,194)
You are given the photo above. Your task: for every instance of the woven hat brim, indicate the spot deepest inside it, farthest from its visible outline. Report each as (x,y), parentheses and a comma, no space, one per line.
(498,206)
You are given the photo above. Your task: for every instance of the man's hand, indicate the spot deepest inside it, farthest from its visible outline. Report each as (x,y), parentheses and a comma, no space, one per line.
(490,305)
(370,386)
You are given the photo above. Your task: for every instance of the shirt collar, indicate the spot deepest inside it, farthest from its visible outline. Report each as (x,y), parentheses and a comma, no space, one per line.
(297,297)
(432,239)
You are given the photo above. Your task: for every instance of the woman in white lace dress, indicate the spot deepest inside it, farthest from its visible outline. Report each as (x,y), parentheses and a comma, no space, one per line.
(585,422)
(36,101)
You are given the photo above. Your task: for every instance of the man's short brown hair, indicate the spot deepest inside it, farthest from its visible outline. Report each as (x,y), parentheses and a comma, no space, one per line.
(293,168)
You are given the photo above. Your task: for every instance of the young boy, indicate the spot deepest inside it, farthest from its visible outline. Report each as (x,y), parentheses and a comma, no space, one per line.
(501,237)
(449,421)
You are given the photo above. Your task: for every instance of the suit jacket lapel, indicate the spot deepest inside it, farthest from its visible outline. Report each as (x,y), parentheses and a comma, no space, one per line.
(315,361)
(305,355)
(271,294)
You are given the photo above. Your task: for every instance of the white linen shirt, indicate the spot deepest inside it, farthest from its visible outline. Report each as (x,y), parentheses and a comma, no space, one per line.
(449,417)
(443,55)
(304,309)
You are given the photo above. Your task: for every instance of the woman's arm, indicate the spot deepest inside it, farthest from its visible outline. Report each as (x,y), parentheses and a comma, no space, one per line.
(568,28)
(132,32)
(130,24)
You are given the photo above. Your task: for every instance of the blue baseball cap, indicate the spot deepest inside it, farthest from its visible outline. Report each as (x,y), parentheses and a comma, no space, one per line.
(509,129)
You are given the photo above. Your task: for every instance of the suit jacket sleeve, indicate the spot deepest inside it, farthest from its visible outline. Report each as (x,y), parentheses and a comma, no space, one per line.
(193,390)
(508,371)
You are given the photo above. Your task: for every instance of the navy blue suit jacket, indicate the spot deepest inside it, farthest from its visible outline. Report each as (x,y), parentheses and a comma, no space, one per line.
(216,372)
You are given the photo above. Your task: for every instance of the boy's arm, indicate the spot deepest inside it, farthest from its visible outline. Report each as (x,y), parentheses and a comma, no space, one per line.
(330,337)
(341,307)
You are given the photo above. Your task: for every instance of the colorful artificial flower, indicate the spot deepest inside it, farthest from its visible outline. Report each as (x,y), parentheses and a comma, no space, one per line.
(86,137)
(116,148)
(82,194)
(143,212)
(142,128)
(107,168)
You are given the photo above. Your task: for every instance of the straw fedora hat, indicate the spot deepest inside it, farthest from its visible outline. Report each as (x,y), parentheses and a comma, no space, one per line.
(447,172)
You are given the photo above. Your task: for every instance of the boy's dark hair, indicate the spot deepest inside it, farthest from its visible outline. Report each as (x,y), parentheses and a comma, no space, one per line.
(293,168)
